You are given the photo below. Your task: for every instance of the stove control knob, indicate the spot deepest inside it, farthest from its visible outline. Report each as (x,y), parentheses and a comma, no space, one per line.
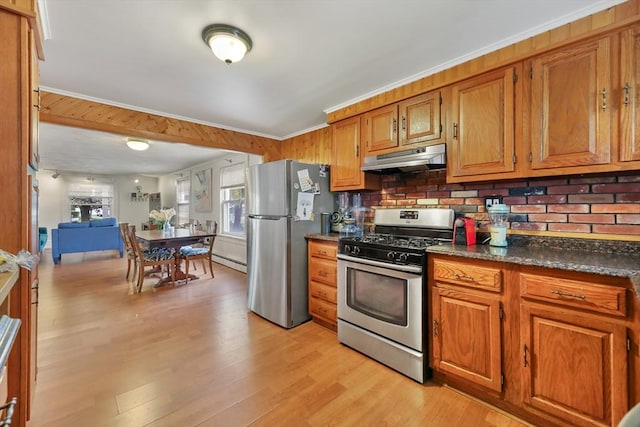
(391,255)
(403,257)
(356,250)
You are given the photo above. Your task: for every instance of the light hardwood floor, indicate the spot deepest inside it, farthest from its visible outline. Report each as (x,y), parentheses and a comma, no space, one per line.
(194,356)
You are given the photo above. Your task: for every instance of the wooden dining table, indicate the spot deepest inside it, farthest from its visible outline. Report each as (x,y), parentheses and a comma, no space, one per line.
(175,239)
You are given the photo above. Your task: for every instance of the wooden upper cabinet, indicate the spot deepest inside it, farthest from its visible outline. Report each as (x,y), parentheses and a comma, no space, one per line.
(571,104)
(482,141)
(630,95)
(346,158)
(381,129)
(417,120)
(420,119)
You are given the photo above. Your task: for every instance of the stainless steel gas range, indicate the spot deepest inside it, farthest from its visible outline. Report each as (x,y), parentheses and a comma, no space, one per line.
(382,287)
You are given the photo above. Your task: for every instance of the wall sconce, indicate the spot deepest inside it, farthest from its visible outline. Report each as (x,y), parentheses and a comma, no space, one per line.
(229,44)
(55,175)
(137,144)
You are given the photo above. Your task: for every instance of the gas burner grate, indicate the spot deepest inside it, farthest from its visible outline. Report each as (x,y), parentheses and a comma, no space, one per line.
(399,241)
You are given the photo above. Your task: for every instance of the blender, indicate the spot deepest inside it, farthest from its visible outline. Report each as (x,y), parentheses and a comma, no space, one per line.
(498,214)
(337,218)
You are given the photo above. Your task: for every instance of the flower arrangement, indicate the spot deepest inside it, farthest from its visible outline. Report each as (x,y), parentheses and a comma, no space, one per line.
(159,218)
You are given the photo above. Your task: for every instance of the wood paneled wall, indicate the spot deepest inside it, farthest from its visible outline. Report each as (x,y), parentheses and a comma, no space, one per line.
(69,111)
(311,147)
(601,22)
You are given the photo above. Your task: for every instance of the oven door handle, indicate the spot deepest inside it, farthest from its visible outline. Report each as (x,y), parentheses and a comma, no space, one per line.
(406,268)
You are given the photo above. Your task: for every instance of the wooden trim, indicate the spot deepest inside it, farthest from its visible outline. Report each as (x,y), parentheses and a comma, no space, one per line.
(11,6)
(75,112)
(608,20)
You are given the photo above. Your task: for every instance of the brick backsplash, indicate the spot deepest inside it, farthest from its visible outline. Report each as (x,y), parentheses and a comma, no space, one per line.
(596,204)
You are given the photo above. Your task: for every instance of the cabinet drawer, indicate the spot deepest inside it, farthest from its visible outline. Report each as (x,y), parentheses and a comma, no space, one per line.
(575,293)
(324,271)
(321,249)
(323,309)
(468,275)
(323,292)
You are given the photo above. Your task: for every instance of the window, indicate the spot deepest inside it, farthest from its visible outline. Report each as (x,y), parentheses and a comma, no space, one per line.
(232,196)
(90,201)
(182,198)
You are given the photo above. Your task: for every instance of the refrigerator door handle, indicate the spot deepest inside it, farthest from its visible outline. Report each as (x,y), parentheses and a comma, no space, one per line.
(268,217)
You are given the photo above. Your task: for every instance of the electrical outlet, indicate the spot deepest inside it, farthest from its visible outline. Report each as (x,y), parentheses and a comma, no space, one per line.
(492,200)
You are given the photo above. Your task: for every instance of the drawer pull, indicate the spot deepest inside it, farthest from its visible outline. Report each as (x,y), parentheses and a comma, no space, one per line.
(322,273)
(322,252)
(464,277)
(568,294)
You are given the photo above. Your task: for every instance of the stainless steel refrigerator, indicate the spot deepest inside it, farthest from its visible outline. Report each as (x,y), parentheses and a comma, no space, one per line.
(284,202)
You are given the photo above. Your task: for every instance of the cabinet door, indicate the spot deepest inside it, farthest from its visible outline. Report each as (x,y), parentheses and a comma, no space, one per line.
(466,337)
(571,99)
(630,102)
(381,129)
(574,366)
(420,119)
(483,137)
(345,167)
(34,102)
(346,158)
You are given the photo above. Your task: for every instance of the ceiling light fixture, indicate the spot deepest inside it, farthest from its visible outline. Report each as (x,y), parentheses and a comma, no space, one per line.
(137,144)
(229,44)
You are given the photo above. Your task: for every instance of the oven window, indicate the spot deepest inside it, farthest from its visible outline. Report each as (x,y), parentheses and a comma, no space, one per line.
(378,296)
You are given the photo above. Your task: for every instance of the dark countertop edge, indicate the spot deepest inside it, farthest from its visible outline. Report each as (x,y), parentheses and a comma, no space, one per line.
(331,237)
(548,259)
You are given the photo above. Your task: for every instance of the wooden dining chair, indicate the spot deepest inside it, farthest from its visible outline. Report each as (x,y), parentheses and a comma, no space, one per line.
(204,253)
(152,257)
(131,256)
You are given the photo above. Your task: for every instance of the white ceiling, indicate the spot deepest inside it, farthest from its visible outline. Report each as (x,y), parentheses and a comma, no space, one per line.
(309,57)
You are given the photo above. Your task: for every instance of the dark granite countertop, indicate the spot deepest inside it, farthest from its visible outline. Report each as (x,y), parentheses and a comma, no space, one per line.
(625,265)
(331,237)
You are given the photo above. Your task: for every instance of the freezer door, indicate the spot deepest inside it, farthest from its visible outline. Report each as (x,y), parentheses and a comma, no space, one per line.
(268,189)
(268,272)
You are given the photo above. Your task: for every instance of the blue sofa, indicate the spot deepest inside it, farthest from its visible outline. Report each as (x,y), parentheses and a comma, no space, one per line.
(96,235)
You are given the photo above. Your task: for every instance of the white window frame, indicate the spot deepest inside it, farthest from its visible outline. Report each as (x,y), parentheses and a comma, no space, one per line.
(232,177)
(182,200)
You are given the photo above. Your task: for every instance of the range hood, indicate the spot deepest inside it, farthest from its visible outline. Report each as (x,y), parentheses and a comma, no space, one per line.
(412,160)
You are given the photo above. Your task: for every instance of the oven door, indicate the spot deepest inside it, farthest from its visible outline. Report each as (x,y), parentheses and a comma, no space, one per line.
(381,299)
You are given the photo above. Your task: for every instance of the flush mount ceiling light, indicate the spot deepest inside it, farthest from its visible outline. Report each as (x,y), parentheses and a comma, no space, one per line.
(228,43)
(137,144)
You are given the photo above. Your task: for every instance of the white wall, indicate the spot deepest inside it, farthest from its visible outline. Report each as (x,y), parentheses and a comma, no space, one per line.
(228,250)
(53,204)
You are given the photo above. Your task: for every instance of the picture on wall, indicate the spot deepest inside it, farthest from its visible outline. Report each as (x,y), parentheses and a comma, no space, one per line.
(202,191)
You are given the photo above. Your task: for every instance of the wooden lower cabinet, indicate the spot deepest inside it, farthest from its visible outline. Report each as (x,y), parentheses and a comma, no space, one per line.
(323,271)
(466,331)
(466,336)
(574,366)
(554,347)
